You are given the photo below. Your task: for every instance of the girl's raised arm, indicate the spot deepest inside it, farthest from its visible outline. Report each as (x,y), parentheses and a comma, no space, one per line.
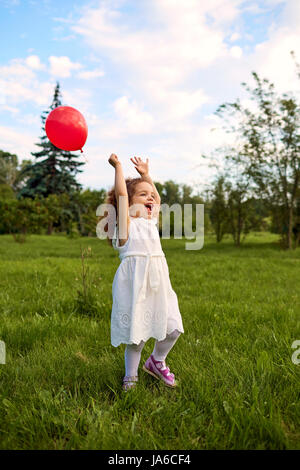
(120,190)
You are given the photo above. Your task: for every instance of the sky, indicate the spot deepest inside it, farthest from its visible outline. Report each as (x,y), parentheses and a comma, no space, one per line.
(148,76)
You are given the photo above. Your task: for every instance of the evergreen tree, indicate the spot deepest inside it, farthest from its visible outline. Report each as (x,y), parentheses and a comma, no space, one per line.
(54,170)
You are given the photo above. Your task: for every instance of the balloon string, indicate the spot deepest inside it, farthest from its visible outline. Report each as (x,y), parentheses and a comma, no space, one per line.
(84,156)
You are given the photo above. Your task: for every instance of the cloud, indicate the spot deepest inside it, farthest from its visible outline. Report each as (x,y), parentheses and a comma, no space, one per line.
(158,59)
(17,68)
(271,58)
(234,37)
(33,62)
(236,52)
(133,118)
(79,98)
(183,42)
(10,3)
(90,74)
(17,141)
(19,83)
(62,67)
(178,41)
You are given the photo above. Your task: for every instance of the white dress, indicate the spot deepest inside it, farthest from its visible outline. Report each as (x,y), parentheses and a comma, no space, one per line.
(144,303)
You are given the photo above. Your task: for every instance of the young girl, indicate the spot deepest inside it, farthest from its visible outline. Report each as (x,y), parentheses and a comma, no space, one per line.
(144,303)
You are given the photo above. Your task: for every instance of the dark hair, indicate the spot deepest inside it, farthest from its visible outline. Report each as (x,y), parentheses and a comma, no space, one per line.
(131,184)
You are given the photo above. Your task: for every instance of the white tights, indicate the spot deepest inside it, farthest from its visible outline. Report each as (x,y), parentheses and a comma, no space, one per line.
(160,352)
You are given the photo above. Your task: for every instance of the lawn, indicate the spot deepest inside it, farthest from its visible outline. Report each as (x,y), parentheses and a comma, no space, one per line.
(61,384)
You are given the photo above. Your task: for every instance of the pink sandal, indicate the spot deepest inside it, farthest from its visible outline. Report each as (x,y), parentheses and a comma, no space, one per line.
(129,381)
(159,370)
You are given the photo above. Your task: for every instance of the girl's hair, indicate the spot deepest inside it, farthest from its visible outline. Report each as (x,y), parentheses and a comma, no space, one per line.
(131,184)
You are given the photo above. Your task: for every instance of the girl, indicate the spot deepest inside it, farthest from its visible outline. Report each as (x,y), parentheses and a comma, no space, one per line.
(144,303)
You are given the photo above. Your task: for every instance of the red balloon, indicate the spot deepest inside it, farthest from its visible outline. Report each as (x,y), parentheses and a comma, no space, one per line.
(66,128)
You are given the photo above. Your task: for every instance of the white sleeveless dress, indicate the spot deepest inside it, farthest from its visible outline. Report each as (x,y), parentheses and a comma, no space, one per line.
(144,303)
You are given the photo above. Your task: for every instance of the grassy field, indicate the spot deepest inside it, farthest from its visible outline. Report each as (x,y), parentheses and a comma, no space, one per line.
(61,384)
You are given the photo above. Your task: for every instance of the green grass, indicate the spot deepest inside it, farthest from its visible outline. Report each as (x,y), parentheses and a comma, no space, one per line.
(61,384)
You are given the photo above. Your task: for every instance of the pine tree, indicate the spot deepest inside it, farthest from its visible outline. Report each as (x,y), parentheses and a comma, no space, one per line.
(54,170)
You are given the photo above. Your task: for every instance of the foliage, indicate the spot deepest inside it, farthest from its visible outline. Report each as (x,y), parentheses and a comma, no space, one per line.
(218,211)
(233,210)
(11,172)
(19,217)
(6,192)
(84,205)
(269,148)
(173,193)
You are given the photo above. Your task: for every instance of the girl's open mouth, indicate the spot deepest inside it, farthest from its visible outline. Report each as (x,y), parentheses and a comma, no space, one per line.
(149,208)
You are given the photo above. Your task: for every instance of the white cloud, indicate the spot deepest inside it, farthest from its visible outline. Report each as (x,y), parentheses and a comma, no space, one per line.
(253,8)
(183,43)
(132,116)
(33,62)
(62,66)
(17,141)
(174,106)
(19,83)
(272,59)
(18,69)
(275,2)
(236,52)
(158,61)
(11,109)
(90,74)
(234,37)
(10,3)
(79,98)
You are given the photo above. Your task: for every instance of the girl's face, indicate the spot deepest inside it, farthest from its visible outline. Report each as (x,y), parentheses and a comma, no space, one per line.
(144,195)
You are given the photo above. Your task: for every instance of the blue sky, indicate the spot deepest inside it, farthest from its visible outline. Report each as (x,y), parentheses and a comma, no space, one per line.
(147,75)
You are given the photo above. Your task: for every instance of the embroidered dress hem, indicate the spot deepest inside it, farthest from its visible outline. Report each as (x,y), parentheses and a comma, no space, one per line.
(181,330)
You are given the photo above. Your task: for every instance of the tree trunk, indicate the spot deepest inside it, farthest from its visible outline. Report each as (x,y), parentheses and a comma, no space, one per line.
(219,232)
(239,226)
(290,232)
(50,228)
(297,243)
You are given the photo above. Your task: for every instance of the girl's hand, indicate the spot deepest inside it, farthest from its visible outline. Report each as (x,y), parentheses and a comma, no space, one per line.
(140,166)
(113,160)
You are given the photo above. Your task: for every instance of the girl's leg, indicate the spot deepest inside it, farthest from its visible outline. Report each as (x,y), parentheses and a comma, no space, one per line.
(132,358)
(162,348)
(156,364)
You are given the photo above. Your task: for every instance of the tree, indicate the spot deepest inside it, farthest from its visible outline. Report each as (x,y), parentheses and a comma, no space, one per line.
(238,209)
(269,148)
(170,193)
(6,192)
(296,228)
(83,206)
(218,209)
(8,168)
(18,217)
(22,177)
(54,170)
